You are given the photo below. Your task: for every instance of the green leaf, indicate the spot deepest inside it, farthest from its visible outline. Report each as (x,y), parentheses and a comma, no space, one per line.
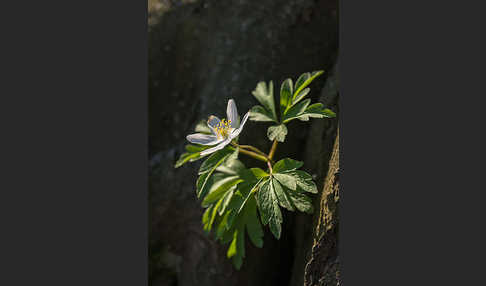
(219,188)
(269,209)
(208,219)
(231,167)
(300,81)
(213,215)
(207,169)
(223,225)
(328,113)
(205,217)
(303,180)
(295,111)
(191,155)
(201,181)
(259,113)
(259,173)
(316,111)
(283,198)
(285,95)
(253,226)
(301,202)
(277,132)
(300,96)
(264,95)
(237,261)
(287,164)
(226,199)
(229,224)
(214,160)
(291,195)
(195,148)
(186,157)
(304,80)
(233,249)
(247,190)
(236,251)
(286,180)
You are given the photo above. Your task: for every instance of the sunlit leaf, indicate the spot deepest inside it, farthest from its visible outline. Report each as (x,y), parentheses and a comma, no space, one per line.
(277,132)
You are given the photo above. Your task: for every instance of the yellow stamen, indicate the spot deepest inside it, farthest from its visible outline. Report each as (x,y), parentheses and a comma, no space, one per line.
(222,129)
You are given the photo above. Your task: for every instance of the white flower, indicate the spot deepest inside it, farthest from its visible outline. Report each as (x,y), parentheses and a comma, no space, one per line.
(223,131)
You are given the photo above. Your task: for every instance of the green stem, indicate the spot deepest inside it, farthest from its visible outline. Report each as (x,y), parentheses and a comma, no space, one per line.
(251,154)
(254,155)
(254,149)
(272,151)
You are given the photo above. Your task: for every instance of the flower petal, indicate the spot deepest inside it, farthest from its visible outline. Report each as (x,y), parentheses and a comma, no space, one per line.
(237,131)
(213,121)
(203,139)
(232,113)
(217,148)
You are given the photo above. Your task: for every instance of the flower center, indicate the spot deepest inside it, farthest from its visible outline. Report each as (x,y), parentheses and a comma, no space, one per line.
(223,128)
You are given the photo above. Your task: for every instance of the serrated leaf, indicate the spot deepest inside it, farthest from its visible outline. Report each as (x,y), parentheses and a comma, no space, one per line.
(259,113)
(303,180)
(304,80)
(277,132)
(295,196)
(264,95)
(286,91)
(286,180)
(287,164)
(283,198)
(301,202)
(295,111)
(269,210)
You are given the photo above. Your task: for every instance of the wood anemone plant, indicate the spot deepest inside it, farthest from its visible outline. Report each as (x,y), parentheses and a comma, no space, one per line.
(237,198)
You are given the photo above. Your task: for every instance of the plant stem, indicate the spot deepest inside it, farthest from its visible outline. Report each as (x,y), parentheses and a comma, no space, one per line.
(257,156)
(254,155)
(272,151)
(254,149)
